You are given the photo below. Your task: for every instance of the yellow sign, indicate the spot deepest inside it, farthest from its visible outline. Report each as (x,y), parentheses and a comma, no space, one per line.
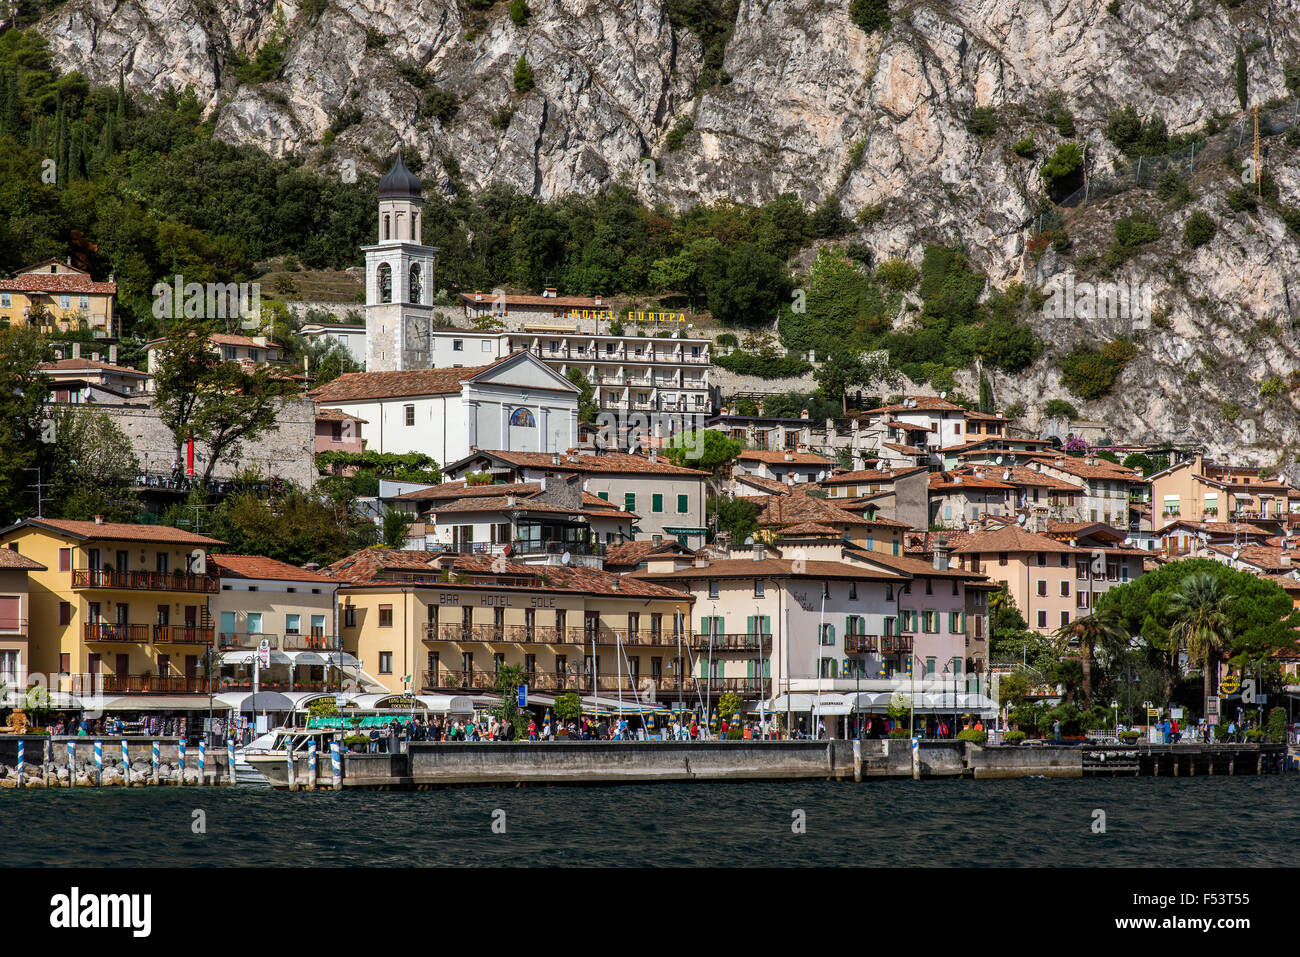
(1231,684)
(657,316)
(590,314)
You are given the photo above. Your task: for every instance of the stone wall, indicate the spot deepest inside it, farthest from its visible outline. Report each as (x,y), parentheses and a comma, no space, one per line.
(286,451)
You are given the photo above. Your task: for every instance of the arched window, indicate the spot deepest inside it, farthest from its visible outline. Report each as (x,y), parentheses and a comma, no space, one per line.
(522,418)
(387,227)
(414,283)
(415,227)
(385,283)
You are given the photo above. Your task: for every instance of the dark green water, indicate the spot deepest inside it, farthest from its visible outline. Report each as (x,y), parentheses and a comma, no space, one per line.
(1150,822)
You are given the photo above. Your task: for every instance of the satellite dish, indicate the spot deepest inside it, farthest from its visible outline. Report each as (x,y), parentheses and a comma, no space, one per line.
(943,395)
(1234,555)
(749,540)
(1020,519)
(566,558)
(998,460)
(1006,474)
(1129,540)
(1296,575)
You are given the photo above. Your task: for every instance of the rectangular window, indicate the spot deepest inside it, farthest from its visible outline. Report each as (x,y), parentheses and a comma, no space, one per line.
(65,301)
(1065,618)
(65,559)
(683,505)
(349,616)
(1042,619)
(629,501)
(1042,587)
(603,495)
(292,624)
(409,411)
(853,591)
(1065,589)
(65,613)
(954,623)
(385,662)
(83,302)
(713,589)
(386,616)
(458,345)
(759,586)
(656,502)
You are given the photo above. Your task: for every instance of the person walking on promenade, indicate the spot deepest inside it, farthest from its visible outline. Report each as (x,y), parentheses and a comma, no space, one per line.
(1056,730)
(532,729)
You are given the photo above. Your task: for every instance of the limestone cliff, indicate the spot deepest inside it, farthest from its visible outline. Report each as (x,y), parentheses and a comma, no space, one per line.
(809,103)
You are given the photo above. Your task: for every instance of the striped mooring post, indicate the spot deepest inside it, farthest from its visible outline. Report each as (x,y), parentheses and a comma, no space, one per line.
(311,764)
(180,776)
(203,758)
(99,762)
(126,764)
(72,763)
(154,762)
(21,762)
(230,760)
(336,764)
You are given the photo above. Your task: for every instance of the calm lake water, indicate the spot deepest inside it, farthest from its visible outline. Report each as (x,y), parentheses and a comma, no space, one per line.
(1150,822)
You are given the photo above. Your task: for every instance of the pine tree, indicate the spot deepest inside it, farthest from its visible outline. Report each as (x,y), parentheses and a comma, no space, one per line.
(121,99)
(523,75)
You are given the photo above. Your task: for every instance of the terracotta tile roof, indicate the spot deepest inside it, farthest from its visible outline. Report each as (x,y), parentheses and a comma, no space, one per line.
(1216,528)
(924,403)
(116,531)
(572,461)
(771,486)
(370,566)
(258,566)
(905,449)
(570,302)
(770,568)
(907,426)
(87,365)
(985,416)
(868,475)
(1264,557)
(778,457)
(1011,538)
(807,528)
(461,489)
(1074,528)
(776,511)
(597,503)
(354,386)
(63,282)
(338,415)
(9,558)
(1102,469)
(915,567)
(943,481)
(225,339)
(631,554)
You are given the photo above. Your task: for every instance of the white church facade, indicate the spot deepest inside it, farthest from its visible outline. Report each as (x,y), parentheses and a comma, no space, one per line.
(517,403)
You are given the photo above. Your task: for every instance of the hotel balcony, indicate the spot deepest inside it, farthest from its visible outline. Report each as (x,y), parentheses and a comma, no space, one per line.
(450,679)
(106,631)
(861,644)
(296,642)
(151,684)
(241,641)
(182,635)
(144,581)
(740,641)
(549,635)
(895,644)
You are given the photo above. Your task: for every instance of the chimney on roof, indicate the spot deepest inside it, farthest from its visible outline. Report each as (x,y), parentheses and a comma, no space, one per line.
(941,553)
(789,457)
(803,413)
(112,355)
(759,552)
(618,584)
(549,292)
(1284,560)
(311,566)
(478,295)
(701,562)
(597,298)
(99,519)
(76,350)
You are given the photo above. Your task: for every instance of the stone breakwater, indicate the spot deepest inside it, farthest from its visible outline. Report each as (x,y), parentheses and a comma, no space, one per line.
(47,763)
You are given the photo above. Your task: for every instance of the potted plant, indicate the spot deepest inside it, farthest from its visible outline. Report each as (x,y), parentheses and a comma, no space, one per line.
(357,743)
(1013,737)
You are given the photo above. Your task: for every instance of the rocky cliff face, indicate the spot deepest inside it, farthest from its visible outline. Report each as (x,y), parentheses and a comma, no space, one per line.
(808,103)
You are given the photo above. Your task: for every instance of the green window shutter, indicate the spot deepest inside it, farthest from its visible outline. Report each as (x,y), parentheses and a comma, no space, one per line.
(704,626)
(656,502)
(767,624)
(749,668)
(848,625)
(704,667)
(895,546)
(767,668)
(682,504)
(604,495)
(629,499)
(722,625)
(749,624)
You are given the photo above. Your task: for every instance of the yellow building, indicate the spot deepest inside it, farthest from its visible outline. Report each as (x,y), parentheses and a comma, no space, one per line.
(427,622)
(66,295)
(1198,490)
(14,657)
(125,602)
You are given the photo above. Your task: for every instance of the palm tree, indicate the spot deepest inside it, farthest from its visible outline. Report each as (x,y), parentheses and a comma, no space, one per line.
(1199,610)
(1102,630)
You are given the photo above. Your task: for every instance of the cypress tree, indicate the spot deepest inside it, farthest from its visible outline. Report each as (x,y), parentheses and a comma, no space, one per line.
(1241,77)
(121,99)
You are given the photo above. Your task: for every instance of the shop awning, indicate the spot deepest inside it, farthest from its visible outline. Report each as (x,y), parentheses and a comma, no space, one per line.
(261,701)
(162,702)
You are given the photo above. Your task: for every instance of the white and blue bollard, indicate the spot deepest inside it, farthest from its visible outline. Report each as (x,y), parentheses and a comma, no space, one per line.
(230,760)
(336,764)
(154,761)
(180,775)
(126,764)
(21,762)
(203,759)
(72,763)
(311,764)
(99,762)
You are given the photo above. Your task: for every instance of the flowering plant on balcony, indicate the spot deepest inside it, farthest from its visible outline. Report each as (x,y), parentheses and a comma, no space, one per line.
(1075,446)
